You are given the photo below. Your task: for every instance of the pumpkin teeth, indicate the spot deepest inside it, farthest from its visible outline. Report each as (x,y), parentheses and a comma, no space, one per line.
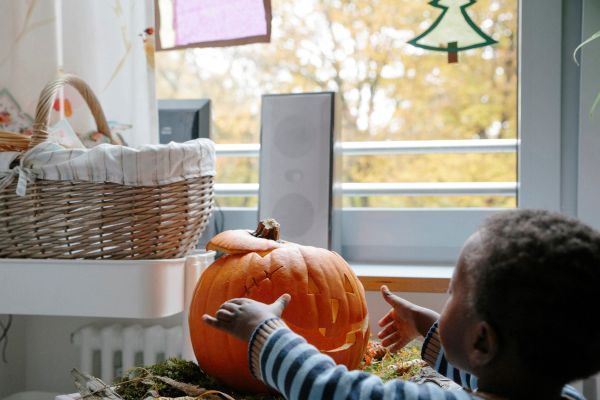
(359,327)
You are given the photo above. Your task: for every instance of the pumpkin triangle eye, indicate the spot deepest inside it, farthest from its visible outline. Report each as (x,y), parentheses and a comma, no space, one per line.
(335,306)
(312,286)
(347,285)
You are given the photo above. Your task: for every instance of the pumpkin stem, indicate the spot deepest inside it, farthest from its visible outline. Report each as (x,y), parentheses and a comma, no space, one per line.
(267,229)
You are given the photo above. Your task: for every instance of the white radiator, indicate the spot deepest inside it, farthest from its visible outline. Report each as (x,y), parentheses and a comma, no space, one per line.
(108,352)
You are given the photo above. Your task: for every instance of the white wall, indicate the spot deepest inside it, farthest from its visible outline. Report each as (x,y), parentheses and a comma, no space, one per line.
(11,373)
(49,354)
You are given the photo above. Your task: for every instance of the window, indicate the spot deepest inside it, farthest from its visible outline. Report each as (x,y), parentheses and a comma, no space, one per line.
(453,126)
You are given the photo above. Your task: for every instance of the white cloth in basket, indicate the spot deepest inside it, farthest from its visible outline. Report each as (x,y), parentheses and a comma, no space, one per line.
(149,165)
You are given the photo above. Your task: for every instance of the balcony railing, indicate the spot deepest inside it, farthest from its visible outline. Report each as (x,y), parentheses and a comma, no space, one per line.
(389,148)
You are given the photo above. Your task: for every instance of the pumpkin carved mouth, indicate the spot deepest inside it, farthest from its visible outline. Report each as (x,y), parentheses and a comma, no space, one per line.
(355,338)
(359,329)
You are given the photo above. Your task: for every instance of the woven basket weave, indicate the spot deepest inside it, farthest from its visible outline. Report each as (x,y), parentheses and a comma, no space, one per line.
(10,141)
(87,220)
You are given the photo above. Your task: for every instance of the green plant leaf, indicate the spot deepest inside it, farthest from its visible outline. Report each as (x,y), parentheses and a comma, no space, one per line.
(596,103)
(588,40)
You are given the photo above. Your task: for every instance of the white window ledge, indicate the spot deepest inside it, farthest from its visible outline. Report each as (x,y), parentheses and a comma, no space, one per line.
(404,278)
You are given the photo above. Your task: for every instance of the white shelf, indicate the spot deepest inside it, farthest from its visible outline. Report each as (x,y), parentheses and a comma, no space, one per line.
(97,288)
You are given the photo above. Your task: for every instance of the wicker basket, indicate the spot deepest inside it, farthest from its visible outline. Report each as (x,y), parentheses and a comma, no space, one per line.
(87,220)
(10,141)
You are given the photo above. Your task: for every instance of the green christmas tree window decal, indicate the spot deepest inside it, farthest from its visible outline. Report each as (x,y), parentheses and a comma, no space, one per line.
(453,30)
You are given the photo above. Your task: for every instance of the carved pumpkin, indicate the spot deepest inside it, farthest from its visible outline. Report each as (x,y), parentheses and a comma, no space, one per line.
(327,308)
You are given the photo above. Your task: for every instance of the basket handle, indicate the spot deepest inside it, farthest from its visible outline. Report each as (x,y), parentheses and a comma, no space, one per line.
(46,100)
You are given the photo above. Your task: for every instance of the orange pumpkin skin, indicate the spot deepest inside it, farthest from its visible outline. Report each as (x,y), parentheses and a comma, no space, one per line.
(328,306)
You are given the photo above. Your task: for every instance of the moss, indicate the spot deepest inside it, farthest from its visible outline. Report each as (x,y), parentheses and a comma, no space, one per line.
(138,382)
(395,365)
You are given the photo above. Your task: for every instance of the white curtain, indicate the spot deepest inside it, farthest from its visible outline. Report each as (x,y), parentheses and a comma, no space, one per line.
(108,43)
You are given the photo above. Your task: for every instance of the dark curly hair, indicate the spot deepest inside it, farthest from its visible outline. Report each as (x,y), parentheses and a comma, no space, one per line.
(537,282)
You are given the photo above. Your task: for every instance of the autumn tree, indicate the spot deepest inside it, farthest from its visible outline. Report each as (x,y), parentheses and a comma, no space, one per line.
(389,90)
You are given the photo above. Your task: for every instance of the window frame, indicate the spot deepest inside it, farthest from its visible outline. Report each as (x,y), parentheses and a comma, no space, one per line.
(588,189)
(434,237)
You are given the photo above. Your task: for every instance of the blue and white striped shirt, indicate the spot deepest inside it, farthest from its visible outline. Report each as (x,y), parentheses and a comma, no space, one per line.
(286,362)
(433,353)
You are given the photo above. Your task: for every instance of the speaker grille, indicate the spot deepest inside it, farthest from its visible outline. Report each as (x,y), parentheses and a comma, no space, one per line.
(296,165)
(295,213)
(293,138)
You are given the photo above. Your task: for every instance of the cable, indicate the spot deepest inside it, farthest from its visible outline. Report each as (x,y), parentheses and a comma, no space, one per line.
(218,221)
(218,218)
(4,336)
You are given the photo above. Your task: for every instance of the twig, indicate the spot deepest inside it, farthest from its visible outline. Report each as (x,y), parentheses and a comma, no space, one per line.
(218,393)
(189,389)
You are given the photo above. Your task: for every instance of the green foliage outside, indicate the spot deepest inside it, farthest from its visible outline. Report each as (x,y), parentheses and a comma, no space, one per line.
(389,90)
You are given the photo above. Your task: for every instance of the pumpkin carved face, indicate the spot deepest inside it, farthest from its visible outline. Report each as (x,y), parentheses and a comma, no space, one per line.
(327,308)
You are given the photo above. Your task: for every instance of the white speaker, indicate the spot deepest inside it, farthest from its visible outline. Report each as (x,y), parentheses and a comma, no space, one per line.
(299,167)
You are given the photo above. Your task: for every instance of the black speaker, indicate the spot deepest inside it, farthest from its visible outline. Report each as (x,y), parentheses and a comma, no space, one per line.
(183,120)
(299,167)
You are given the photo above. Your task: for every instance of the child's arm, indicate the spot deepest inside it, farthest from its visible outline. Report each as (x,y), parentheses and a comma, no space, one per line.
(403,322)
(286,362)
(433,353)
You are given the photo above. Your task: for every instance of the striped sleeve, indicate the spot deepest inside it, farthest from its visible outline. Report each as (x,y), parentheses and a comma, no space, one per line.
(570,393)
(433,353)
(298,370)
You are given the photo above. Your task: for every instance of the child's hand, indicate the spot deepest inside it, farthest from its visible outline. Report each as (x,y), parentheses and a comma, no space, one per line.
(404,322)
(239,317)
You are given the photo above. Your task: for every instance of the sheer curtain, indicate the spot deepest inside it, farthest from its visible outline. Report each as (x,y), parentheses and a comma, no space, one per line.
(108,43)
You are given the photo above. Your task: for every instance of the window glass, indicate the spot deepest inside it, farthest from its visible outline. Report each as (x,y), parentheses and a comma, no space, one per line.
(389,91)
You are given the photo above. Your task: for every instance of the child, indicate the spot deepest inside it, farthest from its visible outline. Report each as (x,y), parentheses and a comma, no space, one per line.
(518,318)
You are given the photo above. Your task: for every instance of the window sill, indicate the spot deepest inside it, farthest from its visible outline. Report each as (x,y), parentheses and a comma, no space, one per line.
(404,278)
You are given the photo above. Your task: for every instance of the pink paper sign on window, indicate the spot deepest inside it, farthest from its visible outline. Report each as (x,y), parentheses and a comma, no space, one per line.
(206,23)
